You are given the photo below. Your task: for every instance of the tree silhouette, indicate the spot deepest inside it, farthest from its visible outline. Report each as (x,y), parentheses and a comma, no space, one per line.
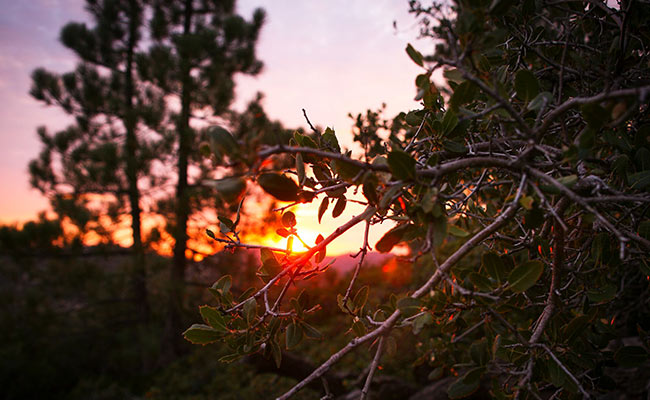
(102,153)
(198,47)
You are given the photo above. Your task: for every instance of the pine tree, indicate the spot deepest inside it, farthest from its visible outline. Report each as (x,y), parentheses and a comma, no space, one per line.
(199,47)
(101,153)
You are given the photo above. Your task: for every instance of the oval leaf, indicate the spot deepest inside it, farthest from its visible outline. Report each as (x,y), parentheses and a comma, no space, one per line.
(391,238)
(494,266)
(279,186)
(339,207)
(408,306)
(294,335)
(415,55)
(322,208)
(213,318)
(201,334)
(401,165)
(525,275)
(360,298)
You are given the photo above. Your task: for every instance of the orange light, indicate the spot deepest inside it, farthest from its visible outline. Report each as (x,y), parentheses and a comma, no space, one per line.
(390,266)
(401,203)
(266,162)
(539,248)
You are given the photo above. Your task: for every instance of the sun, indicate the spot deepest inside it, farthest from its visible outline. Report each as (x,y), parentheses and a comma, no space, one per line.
(308,236)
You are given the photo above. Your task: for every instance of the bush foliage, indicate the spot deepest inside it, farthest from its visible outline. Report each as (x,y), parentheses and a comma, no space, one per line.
(520,186)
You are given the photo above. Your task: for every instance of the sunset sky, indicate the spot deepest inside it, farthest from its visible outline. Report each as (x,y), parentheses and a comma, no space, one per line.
(329,57)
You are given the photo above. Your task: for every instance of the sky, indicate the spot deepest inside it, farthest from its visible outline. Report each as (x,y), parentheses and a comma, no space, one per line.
(329,57)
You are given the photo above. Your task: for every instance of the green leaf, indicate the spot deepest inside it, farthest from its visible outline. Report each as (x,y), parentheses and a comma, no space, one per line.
(279,186)
(329,140)
(277,352)
(321,254)
(538,102)
(201,334)
(555,373)
(435,374)
(463,94)
(213,318)
(389,196)
(526,202)
(481,282)
(453,75)
(453,146)
(360,298)
(224,283)
(300,169)
(358,328)
(493,265)
(346,170)
(603,294)
(267,256)
(369,190)
(296,307)
(526,85)
(289,219)
(467,384)
(639,180)
(221,141)
(525,275)
(422,81)
(449,122)
(294,335)
(575,328)
(311,332)
(391,238)
(228,358)
(401,165)
(230,189)
(409,306)
(322,208)
(458,232)
(439,227)
(339,207)
(631,356)
(420,322)
(415,55)
(250,310)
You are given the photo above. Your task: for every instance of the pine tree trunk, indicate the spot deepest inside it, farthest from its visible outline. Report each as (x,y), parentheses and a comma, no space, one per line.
(177,275)
(139,278)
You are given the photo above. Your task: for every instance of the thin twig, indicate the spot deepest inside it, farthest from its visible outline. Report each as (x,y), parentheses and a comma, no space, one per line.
(373,368)
(309,122)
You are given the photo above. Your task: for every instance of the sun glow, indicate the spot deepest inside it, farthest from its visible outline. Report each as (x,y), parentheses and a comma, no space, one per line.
(274,240)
